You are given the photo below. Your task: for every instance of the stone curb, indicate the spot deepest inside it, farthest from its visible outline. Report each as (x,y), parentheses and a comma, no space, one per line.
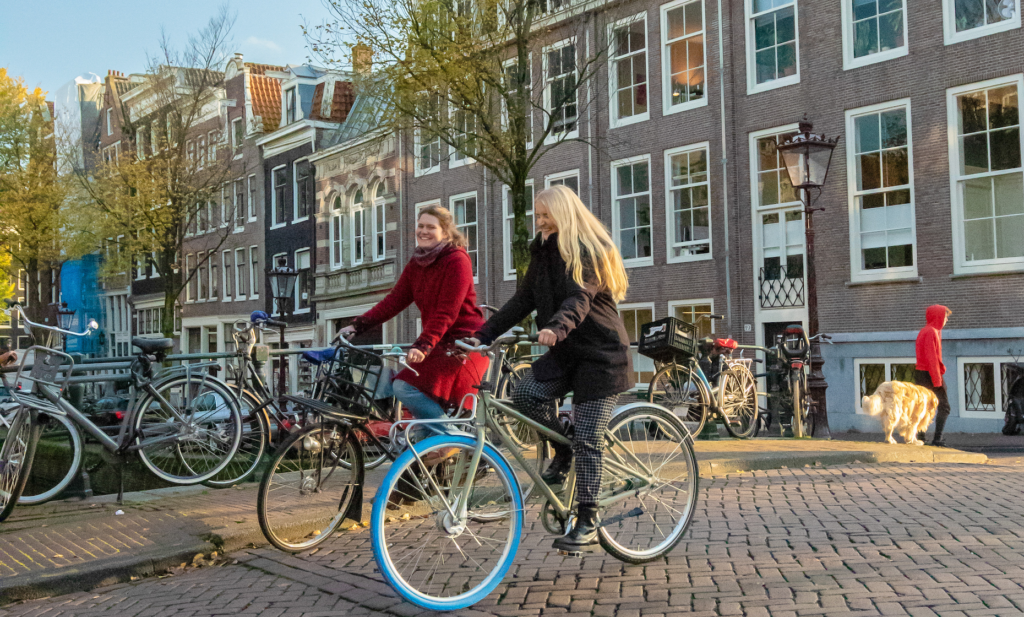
(791,460)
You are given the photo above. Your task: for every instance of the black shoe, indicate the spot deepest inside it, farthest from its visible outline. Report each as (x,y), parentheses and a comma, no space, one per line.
(939,443)
(921,436)
(583,534)
(558,468)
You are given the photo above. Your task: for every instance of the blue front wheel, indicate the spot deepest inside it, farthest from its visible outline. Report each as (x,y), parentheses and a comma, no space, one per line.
(440,546)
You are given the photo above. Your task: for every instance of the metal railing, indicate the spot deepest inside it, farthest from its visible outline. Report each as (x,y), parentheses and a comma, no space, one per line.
(778,290)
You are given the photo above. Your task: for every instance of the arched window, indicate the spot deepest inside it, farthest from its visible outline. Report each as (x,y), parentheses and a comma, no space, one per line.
(358,228)
(379,223)
(337,232)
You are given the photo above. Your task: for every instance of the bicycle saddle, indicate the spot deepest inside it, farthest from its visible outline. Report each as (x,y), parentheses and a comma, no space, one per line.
(153,345)
(725,343)
(319,357)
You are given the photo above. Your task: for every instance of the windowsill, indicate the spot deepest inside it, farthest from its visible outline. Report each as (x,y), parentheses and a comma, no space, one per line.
(300,220)
(453,164)
(668,109)
(638,118)
(226,299)
(239,230)
(1009,269)
(692,258)
(882,56)
(553,138)
(773,84)
(252,219)
(238,157)
(278,226)
(426,172)
(304,311)
(882,281)
(638,263)
(952,37)
(255,297)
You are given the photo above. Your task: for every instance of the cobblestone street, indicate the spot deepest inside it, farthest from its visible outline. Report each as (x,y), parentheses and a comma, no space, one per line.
(855,539)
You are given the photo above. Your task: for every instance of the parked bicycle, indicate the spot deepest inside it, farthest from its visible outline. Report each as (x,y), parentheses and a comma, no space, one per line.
(444,540)
(699,380)
(185,427)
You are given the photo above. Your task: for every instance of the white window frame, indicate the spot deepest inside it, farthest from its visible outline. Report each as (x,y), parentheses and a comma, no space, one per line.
(189,258)
(752,86)
(379,205)
(951,36)
(238,215)
(276,310)
(225,197)
(670,211)
(998,413)
(253,273)
(637,262)
(358,236)
(335,232)
(225,274)
(459,159)
(550,179)
(295,193)
(613,108)
(202,267)
(274,223)
(110,125)
(849,61)
(506,230)
(666,65)
(236,146)
(857,274)
(211,264)
(637,358)
(240,273)
(480,254)
(214,139)
(960,264)
(298,288)
(575,133)
(672,304)
(251,189)
(417,140)
(529,113)
(888,362)
(419,206)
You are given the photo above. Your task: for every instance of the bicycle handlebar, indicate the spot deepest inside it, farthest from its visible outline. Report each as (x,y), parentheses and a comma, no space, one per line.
(12,305)
(512,339)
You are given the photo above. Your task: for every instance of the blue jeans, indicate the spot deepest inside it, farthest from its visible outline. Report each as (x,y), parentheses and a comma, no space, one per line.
(422,407)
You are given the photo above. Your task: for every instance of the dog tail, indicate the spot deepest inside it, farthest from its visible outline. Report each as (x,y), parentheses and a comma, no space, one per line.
(872,410)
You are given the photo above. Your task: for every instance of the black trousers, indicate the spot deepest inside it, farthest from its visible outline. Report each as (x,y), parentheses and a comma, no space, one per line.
(924,378)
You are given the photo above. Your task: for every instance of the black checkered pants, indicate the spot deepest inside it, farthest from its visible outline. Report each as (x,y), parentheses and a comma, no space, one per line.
(537,400)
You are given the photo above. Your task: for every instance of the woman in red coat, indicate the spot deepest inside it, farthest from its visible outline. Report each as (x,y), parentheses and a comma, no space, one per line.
(439,280)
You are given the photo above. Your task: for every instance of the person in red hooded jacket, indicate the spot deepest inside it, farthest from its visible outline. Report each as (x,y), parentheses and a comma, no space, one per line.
(930,368)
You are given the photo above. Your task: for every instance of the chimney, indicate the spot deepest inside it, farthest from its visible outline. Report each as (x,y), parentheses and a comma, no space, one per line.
(362,58)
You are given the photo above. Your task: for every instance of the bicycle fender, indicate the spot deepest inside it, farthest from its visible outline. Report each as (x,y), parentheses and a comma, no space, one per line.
(355,509)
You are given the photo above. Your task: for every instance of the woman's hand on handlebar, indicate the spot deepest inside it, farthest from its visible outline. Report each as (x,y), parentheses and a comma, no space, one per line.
(415,356)
(547,338)
(472,341)
(347,332)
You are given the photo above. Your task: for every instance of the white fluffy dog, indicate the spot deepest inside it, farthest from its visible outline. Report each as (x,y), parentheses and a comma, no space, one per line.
(905,404)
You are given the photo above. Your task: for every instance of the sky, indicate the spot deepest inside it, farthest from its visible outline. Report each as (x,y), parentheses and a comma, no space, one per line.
(51,43)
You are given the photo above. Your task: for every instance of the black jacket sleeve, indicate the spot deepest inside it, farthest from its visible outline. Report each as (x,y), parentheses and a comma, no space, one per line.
(576,306)
(515,310)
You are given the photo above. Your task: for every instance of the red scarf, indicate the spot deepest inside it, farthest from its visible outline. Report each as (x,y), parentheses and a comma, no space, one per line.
(426,257)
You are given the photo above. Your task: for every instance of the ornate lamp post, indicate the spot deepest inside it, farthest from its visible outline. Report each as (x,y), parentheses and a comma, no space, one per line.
(282,288)
(65,317)
(807,157)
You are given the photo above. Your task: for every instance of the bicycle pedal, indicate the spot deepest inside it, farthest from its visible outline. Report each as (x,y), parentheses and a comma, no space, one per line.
(576,554)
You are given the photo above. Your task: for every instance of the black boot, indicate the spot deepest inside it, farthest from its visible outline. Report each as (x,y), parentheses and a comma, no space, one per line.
(558,468)
(921,436)
(937,441)
(583,534)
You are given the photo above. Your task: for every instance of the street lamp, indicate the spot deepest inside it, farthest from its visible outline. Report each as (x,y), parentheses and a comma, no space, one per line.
(65,317)
(807,157)
(282,288)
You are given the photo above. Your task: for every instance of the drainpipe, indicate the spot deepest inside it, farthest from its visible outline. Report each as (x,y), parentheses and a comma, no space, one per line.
(590,128)
(483,234)
(725,170)
(401,175)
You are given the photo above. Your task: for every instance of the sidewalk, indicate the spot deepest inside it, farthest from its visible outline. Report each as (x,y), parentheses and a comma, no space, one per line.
(69,546)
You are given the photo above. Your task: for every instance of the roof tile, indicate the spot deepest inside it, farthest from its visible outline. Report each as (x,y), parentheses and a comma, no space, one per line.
(266,100)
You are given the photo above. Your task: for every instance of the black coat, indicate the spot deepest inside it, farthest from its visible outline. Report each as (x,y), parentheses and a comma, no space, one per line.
(592,349)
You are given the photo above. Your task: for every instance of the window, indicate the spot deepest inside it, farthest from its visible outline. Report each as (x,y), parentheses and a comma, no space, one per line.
(463,208)
(682,28)
(627,70)
(154,140)
(239,204)
(781,234)
(110,122)
(427,139)
(511,67)
(631,210)
(773,55)
(190,153)
(237,134)
(214,279)
(304,283)
(985,385)
(510,271)
(883,198)
(140,142)
(190,288)
(211,215)
(464,148)
(225,204)
(214,139)
(201,152)
(252,198)
(687,203)
(691,312)
(964,20)
(380,226)
(274,261)
(254,272)
(871,373)
(570,179)
(337,233)
(289,106)
(304,191)
(203,281)
(358,228)
(634,316)
(560,89)
(240,274)
(873,31)
(280,182)
(987,176)
(226,274)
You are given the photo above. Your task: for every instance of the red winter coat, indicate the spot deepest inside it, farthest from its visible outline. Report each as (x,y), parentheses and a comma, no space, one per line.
(929,344)
(445,295)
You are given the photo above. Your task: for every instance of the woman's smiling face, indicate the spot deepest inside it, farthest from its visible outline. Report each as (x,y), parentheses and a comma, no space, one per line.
(429,232)
(545,223)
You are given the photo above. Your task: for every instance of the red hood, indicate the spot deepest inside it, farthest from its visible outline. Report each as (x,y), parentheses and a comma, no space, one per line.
(935,315)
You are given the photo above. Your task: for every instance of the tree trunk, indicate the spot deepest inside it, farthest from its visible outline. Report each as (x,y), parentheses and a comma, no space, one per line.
(520,230)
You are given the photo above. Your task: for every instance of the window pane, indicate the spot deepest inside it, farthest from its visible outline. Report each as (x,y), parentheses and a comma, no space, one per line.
(974,154)
(890,31)
(863,9)
(893,128)
(969,14)
(1010,237)
(980,239)
(787,60)
(1009,194)
(902,372)
(1005,149)
(871,376)
(972,113)
(869,167)
(979,386)
(865,38)
(895,167)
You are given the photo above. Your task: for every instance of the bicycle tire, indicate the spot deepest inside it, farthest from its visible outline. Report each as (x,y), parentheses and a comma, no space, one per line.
(252,446)
(741,399)
(491,556)
(521,434)
(30,495)
(155,422)
(16,456)
(277,520)
(623,528)
(797,391)
(688,399)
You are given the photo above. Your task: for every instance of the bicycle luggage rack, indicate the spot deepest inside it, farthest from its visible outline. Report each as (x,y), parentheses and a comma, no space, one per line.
(343,379)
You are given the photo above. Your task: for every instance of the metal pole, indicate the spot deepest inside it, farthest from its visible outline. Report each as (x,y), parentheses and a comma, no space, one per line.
(816,383)
(282,379)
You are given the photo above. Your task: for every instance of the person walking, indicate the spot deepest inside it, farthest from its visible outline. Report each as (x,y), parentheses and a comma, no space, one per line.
(439,280)
(930,369)
(575,280)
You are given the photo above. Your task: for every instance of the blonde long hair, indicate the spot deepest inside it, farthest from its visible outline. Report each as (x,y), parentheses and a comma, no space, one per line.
(579,230)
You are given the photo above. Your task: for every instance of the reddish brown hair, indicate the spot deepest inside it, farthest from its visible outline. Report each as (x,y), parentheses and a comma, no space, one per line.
(444,216)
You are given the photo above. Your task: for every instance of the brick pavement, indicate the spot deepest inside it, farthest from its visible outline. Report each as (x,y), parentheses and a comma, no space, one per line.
(889,539)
